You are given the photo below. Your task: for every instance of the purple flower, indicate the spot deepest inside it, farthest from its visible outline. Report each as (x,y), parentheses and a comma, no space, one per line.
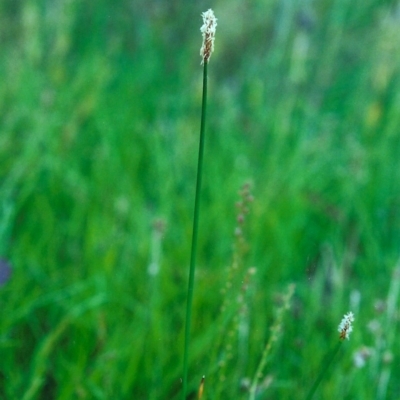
(5,271)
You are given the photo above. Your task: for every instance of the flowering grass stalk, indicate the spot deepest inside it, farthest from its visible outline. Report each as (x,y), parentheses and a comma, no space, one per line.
(276,331)
(208,32)
(344,329)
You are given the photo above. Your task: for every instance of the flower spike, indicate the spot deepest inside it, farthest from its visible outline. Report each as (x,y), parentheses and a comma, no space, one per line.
(345,326)
(208,32)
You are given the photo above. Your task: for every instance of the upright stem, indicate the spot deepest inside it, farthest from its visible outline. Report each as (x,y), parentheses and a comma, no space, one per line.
(194,236)
(323,371)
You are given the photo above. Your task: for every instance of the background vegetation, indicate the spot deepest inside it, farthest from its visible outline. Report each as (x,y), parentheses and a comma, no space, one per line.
(100,108)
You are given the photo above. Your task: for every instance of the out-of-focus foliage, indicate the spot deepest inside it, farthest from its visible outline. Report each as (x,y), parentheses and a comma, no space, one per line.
(99,120)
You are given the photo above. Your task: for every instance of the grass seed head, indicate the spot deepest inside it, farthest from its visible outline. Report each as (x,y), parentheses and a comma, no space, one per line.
(345,326)
(208,31)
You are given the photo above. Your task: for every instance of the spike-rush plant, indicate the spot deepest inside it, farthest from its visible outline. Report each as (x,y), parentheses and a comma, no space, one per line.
(344,329)
(208,31)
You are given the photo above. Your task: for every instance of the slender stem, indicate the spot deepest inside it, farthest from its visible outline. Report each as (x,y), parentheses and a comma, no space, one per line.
(276,331)
(323,370)
(194,236)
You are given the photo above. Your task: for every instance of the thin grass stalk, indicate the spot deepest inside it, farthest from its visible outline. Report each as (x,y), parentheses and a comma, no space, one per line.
(194,234)
(344,329)
(276,331)
(323,371)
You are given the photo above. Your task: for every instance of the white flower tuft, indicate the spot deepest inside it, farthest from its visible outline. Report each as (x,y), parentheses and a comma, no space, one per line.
(345,326)
(208,31)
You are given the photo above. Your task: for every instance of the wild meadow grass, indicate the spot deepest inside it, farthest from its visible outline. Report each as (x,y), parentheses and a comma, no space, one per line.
(100,109)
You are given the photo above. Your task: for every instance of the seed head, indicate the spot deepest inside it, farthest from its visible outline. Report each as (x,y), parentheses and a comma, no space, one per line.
(208,33)
(345,326)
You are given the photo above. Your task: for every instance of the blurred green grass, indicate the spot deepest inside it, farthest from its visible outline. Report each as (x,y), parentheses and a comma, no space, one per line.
(100,108)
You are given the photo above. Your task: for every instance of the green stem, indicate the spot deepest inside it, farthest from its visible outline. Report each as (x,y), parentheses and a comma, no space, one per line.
(194,236)
(323,371)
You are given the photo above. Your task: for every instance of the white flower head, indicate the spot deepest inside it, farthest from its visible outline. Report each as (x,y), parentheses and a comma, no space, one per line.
(208,32)
(345,326)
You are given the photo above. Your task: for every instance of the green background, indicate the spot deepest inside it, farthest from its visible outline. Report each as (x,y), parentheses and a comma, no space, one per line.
(99,123)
